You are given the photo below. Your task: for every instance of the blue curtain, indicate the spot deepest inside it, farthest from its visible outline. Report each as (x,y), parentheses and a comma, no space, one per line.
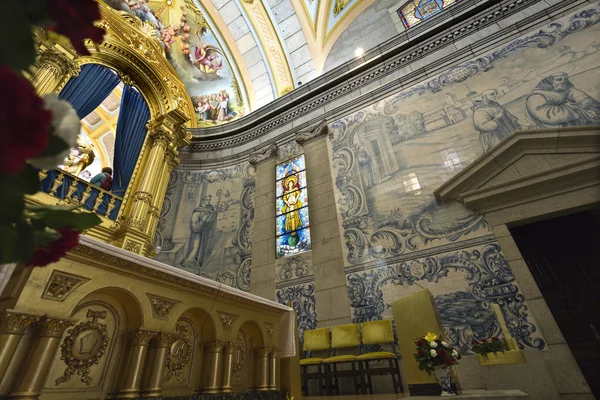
(130,136)
(89,89)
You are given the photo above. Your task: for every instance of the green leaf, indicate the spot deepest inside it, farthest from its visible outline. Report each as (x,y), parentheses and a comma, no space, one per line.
(36,11)
(8,244)
(56,145)
(13,203)
(35,209)
(57,219)
(30,180)
(45,237)
(26,243)
(17,49)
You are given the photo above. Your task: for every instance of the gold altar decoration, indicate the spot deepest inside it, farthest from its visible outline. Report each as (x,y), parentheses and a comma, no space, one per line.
(83,347)
(180,354)
(135,54)
(513,355)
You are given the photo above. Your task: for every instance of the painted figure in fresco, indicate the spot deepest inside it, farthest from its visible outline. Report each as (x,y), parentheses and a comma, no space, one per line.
(202,228)
(493,121)
(556,102)
(365,166)
(206,57)
(291,192)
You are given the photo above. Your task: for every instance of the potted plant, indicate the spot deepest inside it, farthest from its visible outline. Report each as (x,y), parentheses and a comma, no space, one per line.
(495,351)
(436,356)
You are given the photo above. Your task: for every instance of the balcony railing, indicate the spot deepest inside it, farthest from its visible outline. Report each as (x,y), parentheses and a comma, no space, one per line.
(73,190)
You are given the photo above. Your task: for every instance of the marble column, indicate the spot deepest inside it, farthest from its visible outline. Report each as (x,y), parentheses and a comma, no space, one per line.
(226,386)
(132,374)
(12,328)
(33,376)
(262,368)
(152,382)
(215,367)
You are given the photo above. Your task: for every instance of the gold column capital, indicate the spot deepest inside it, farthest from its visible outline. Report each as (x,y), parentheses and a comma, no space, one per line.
(58,63)
(141,337)
(273,352)
(53,327)
(16,323)
(165,339)
(263,352)
(215,347)
(229,347)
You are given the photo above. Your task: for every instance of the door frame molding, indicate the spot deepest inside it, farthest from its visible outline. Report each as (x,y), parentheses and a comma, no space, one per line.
(534,175)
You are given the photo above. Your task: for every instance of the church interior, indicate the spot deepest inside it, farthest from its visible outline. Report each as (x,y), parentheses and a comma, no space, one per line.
(265,207)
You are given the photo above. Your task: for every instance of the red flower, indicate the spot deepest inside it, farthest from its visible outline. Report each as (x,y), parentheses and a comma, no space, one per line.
(474,342)
(421,352)
(448,361)
(484,340)
(495,339)
(24,121)
(43,256)
(420,343)
(442,353)
(75,19)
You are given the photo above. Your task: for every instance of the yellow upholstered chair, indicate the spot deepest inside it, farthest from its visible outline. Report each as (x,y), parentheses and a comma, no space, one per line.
(314,340)
(343,337)
(373,333)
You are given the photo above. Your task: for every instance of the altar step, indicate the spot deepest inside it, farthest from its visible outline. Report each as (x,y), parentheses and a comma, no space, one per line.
(467,394)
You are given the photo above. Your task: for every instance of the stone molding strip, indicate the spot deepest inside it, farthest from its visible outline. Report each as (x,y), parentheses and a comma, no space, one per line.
(407,52)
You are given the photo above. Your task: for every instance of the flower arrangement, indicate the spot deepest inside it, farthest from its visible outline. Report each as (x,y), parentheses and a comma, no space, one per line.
(434,352)
(484,346)
(37,133)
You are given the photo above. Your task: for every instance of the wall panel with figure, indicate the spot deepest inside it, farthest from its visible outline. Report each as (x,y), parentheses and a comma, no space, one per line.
(388,158)
(206,222)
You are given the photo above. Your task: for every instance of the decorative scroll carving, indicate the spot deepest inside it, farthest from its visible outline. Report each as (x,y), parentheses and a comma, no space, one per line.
(144,197)
(83,347)
(318,130)
(162,307)
(227,320)
(132,246)
(16,323)
(339,6)
(263,154)
(239,358)
(270,329)
(141,337)
(61,285)
(180,356)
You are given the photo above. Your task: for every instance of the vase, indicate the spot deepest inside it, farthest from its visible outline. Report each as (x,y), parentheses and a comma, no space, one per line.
(443,378)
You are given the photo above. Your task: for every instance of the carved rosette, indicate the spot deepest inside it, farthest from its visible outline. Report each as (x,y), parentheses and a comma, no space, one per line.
(141,337)
(318,130)
(13,323)
(162,307)
(83,347)
(270,329)
(180,355)
(53,327)
(227,320)
(61,285)
(263,154)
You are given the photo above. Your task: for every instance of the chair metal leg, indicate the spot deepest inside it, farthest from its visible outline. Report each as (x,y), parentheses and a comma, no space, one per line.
(354,377)
(369,382)
(361,374)
(394,370)
(304,380)
(336,379)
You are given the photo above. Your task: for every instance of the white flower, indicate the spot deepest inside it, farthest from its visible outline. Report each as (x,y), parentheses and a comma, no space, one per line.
(65,124)
(444,344)
(433,353)
(433,344)
(454,353)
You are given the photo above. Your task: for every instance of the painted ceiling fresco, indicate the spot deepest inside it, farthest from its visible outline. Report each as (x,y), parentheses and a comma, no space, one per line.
(235,56)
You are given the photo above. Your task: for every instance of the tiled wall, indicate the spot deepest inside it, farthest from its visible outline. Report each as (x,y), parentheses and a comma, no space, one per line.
(205,225)
(388,158)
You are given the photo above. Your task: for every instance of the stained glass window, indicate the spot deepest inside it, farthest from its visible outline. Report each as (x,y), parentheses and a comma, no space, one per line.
(292,222)
(416,11)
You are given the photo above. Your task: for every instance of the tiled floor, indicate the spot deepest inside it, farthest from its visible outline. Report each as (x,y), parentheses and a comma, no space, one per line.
(468,394)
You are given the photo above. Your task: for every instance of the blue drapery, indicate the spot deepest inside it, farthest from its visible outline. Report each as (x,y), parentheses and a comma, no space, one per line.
(88,90)
(130,136)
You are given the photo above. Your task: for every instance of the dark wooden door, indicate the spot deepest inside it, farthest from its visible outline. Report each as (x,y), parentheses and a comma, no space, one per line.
(563,254)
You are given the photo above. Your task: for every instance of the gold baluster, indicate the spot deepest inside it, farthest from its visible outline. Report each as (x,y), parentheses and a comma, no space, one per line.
(71,191)
(98,202)
(110,207)
(86,195)
(43,173)
(58,181)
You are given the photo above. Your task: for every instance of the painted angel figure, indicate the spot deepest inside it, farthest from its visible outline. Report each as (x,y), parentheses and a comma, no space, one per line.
(206,57)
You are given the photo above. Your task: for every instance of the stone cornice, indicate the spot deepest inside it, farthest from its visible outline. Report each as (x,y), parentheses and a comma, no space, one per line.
(386,69)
